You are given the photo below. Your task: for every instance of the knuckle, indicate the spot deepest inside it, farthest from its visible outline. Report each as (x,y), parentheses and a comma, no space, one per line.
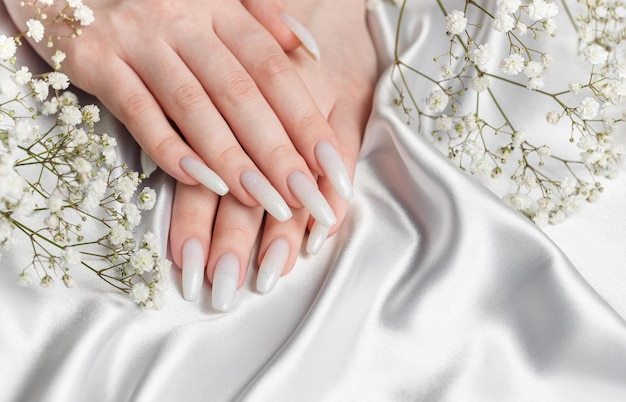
(239,86)
(164,146)
(308,122)
(280,152)
(274,66)
(237,233)
(230,153)
(189,98)
(136,106)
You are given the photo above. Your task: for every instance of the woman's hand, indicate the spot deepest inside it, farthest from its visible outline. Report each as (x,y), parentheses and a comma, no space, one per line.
(211,71)
(342,85)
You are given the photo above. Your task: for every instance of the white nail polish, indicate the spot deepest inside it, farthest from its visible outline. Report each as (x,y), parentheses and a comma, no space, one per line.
(193,268)
(199,171)
(317,236)
(303,34)
(147,164)
(262,191)
(272,265)
(331,162)
(308,194)
(225,280)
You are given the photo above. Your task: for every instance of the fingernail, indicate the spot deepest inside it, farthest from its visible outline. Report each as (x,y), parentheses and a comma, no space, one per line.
(317,236)
(225,281)
(261,190)
(193,268)
(199,171)
(147,164)
(308,194)
(303,35)
(332,163)
(272,265)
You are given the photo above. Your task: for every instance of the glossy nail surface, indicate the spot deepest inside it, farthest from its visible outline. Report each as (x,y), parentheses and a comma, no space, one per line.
(147,164)
(308,194)
(225,279)
(201,172)
(317,237)
(272,265)
(193,268)
(331,162)
(303,35)
(262,190)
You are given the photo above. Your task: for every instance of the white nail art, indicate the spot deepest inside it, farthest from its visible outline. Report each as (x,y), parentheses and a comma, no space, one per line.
(309,195)
(262,191)
(225,280)
(147,164)
(193,268)
(303,34)
(272,265)
(317,237)
(199,171)
(331,162)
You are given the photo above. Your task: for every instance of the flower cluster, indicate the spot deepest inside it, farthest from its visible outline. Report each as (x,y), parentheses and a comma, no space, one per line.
(60,183)
(475,79)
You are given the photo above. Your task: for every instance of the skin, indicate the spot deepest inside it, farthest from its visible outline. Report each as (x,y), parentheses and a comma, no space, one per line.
(342,84)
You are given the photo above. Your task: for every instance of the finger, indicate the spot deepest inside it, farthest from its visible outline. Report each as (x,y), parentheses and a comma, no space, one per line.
(279,249)
(283,88)
(236,229)
(132,103)
(193,214)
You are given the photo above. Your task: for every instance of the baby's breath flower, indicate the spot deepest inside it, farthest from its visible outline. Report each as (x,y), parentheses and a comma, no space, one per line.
(437,101)
(504,22)
(142,261)
(57,58)
(47,281)
(36,30)
(456,22)
(71,258)
(443,123)
(68,281)
(589,108)
(140,293)
(596,54)
(553,117)
(147,198)
(8,47)
(24,279)
(513,64)
(40,89)
(480,84)
(22,76)
(84,15)
(483,54)
(58,81)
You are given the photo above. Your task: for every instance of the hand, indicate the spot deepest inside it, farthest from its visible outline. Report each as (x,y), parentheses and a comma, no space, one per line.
(342,85)
(213,72)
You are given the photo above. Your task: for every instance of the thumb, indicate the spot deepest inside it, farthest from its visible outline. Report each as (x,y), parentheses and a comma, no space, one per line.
(286,30)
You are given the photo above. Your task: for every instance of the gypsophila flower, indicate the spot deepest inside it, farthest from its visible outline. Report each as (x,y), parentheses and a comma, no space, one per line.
(22,76)
(456,22)
(91,114)
(132,216)
(8,47)
(437,101)
(536,82)
(544,151)
(518,201)
(587,142)
(504,22)
(119,235)
(541,9)
(480,84)
(24,279)
(508,6)
(513,64)
(596,54)
(140,293)
(533,69)
(443,123)
(483,54)
(68,281)
(147,198)
(36,30)
(84,15)
(589,108)
(47,281)
(553,117)
(58,81)
(142,261)
(71,258)
(70,115)
(40,89)
(57,58)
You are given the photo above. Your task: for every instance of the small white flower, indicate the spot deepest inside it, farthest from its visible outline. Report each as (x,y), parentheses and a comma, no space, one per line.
(588,108)
(553,117)
(481,166)
(57,58)
(575,87)
(24,279)
(521,28)
(82,166)
(22,76)
(142,261)
(147,197)
(508,6)
(84,15)
(446,72)
(91,114)
(533,69)
(544,151)
(546,60)
(8,47)
(513,64)
(36,30)
(536,82)
(55,203)
(456,22)
(503,22)
(47,281)
(518,201)
(480,84)
(70,115)
(140,293)
(131,215)
(40,89)
(68,281)
(437,101)
(126,186)
(58,81)
(587,142)
(550,26)
(118,235)
(443,123)
(541,219)
(541,9)
(596,54)
(483,54)
(71,258)
(518,138)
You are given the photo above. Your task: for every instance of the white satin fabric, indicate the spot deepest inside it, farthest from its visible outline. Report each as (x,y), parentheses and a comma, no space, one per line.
(433,290)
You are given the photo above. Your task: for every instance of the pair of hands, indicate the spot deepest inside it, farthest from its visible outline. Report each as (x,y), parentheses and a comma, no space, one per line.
(258,118)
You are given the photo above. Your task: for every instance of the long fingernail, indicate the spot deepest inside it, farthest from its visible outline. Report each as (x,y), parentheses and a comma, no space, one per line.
(147,164)
(308,194)
(193,268)
(199,171)
(303,35)
(262,191)
(225,280)
(331,162)
(272,265)
(317,236)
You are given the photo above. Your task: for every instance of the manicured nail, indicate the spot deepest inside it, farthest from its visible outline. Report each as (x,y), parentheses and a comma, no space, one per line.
(261,190)
(225,281)
(147,164)
(199,171)
(272,265)
(303,34)
(317,237)
(193,268)
(308,194)
(331,162)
